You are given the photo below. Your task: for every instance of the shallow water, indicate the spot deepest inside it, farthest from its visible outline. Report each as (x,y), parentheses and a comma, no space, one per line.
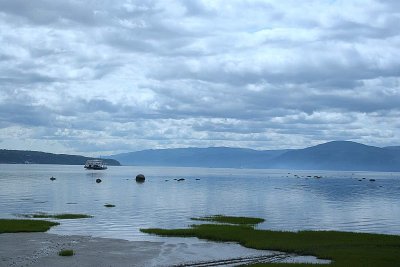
(337,201)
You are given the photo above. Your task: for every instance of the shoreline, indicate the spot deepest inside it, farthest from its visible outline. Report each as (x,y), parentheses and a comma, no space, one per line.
(41,249)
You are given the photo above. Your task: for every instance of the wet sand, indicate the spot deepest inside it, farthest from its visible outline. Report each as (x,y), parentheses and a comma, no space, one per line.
(41,249)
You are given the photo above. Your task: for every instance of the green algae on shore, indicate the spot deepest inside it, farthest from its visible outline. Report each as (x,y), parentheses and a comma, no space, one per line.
(18,226)
(62,216)
(342,248)
(230,219)
(66,252)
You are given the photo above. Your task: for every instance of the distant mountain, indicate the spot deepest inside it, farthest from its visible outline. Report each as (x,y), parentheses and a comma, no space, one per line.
(393,147)
(335,155)
(36,157)
(340,155)
(199,157)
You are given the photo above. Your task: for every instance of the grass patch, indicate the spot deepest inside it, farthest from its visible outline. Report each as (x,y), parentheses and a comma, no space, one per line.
(230,219)
(343,248)
(62,216)
(17,226)
(109,205)
(66,252)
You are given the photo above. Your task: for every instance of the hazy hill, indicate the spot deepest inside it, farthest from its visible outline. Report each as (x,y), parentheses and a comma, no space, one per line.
(199,157)
(336,155)
(36,157)
(393,147)
(341,155)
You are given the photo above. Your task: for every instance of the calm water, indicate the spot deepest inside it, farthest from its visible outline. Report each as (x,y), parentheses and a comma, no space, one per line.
(337,201)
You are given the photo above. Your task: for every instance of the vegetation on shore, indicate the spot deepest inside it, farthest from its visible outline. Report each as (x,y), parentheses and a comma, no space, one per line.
(230,219)
(343,248)
(17,226)
(62,216)
(66,252)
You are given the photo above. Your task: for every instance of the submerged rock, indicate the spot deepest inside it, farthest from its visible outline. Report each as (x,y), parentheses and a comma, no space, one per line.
(140,178)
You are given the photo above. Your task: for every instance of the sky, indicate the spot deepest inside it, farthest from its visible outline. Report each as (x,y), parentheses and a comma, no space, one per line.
(105,77)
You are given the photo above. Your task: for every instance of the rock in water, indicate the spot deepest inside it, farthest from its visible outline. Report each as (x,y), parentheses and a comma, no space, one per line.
(98,180)
(140,178)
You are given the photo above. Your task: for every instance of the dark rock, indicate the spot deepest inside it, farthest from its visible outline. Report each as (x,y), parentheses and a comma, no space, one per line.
(52,178)
(98,180)
(140,178)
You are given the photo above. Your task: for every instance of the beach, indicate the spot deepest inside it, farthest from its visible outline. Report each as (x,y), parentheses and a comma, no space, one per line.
(41,249)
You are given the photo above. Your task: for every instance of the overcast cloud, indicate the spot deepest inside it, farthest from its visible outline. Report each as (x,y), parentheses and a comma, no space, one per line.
(102,77)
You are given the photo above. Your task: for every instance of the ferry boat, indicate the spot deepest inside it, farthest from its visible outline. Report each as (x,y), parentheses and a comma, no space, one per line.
(95,164)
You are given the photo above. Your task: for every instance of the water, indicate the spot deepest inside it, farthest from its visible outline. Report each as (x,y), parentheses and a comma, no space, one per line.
(337,201)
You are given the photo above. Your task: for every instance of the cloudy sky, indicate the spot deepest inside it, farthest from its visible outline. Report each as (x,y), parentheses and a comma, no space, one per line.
(103,77)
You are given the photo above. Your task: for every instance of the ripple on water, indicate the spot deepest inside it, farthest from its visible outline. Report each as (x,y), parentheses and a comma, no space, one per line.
(338,201)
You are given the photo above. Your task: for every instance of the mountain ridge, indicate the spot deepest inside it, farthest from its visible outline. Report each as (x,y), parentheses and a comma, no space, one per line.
(38,157)
(333,155)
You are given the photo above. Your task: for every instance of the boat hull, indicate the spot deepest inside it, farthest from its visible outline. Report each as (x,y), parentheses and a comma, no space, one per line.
(95,168)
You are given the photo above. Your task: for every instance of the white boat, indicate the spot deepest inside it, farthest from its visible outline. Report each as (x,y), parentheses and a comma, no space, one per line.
(95,164)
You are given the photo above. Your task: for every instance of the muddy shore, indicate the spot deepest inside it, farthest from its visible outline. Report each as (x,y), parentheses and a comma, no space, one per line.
(41,249)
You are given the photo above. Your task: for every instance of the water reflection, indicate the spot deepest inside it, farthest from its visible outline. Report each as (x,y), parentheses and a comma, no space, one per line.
(336,201)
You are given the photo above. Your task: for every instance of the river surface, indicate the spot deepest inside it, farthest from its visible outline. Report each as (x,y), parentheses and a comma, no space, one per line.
(286,199)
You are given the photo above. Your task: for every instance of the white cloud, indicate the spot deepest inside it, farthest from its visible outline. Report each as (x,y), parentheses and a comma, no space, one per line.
(104,77)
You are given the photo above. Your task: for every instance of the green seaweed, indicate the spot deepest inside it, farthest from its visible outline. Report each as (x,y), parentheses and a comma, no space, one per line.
(230,219)
(61,216)
(342,248)
(17,225)
(66,252)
